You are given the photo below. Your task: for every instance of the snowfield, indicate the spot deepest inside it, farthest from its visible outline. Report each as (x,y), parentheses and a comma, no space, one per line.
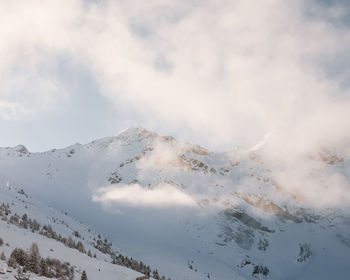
(187,212)
(14,236)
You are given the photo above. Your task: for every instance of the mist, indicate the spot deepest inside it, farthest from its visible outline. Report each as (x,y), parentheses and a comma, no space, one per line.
(258,71)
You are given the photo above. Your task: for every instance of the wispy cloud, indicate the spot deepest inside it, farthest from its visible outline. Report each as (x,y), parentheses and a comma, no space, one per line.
(138,196)
(11,110)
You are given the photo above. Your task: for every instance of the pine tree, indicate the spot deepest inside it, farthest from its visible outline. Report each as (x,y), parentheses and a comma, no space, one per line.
(156,275)
(89,254)
(83,275)
(33,258)
(12,262)
(3,257)
(35,226)
(19,256)
(71,273)
(43,267)
(80,247)
(70,243)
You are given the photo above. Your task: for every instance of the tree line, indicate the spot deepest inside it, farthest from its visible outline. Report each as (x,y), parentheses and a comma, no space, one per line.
(102,245)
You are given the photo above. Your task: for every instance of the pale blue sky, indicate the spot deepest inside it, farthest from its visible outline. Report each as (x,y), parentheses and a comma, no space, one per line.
(87,116)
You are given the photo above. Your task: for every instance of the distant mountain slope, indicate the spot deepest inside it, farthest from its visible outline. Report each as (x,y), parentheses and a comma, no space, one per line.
(193,213)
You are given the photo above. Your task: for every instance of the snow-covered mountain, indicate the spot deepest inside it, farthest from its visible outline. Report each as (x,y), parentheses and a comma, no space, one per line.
(25,221)
(195,214)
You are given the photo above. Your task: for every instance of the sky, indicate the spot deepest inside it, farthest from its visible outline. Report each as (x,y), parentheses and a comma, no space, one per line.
(215,72)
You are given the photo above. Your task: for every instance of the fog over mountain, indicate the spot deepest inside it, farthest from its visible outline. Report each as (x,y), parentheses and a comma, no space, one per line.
(191,212)
(211,137)
(220,73)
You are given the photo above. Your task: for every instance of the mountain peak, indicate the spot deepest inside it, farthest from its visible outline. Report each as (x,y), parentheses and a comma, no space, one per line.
(21,149)
(135,133)
(132,130)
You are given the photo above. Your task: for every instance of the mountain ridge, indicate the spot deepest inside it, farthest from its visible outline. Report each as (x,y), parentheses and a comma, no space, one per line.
(133,187)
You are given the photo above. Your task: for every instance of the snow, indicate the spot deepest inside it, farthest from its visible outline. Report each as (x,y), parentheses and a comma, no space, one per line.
(172,238)
(13,236)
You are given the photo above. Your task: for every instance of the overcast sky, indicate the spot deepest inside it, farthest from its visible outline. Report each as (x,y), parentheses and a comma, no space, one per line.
(220,73)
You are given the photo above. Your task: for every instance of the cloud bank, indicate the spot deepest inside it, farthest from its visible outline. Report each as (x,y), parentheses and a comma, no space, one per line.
(137,196)
(224,72)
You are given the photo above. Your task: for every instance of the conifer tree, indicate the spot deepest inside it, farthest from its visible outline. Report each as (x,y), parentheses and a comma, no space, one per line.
(33,258)
(3,257)
(70,242)
(83,275)
(19,256)
(80,247)
(12,262)
(71,272)
(43,267)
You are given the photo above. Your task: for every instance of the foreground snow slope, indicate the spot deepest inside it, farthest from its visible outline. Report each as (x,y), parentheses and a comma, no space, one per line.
(192,213)
(14,236)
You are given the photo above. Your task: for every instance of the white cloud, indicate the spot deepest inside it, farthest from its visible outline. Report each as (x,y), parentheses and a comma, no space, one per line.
(226,71)
(11,111)
(138,196)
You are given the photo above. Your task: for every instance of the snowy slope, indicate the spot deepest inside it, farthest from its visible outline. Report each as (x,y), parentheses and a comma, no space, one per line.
(189,212)
(99,267)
